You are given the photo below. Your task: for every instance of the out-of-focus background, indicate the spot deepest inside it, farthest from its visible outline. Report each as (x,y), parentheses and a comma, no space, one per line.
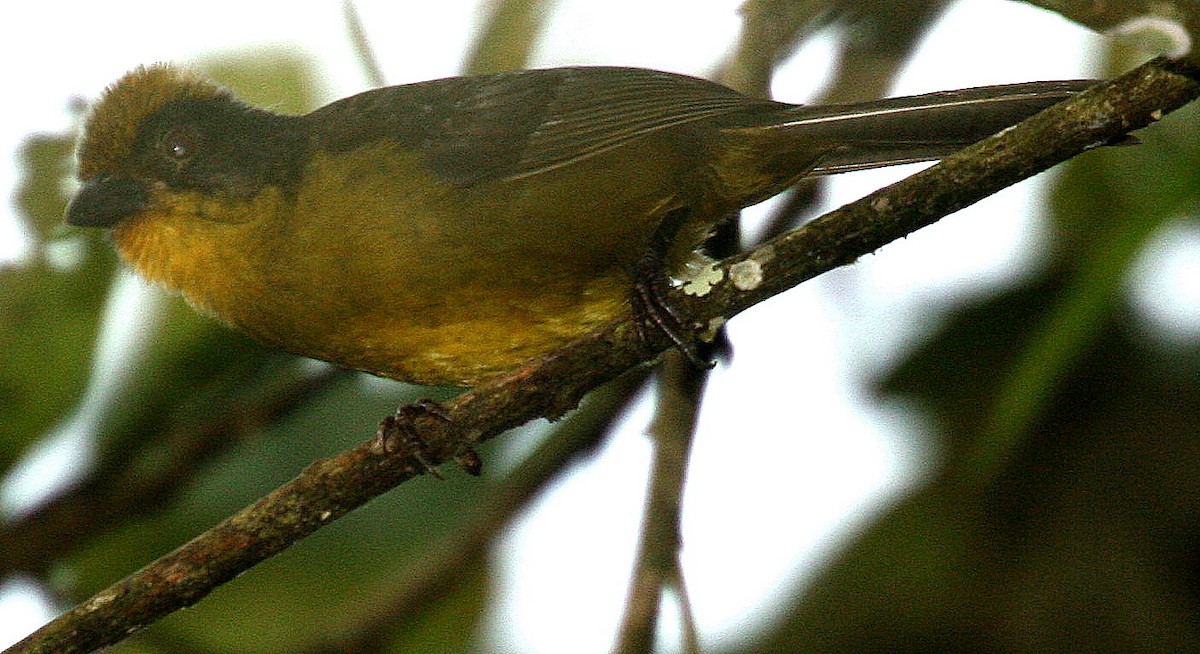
(981,437)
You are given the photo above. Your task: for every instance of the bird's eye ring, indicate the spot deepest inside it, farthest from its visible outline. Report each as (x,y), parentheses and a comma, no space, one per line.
(178,144)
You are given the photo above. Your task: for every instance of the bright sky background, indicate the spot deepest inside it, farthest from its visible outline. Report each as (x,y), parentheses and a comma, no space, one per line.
(747,531)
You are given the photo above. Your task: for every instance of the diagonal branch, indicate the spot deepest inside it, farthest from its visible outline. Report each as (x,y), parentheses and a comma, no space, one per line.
(330,488)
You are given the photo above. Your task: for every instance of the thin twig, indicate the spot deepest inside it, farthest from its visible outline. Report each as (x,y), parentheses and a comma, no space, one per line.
(657,561)
(689,633)
(552,385)
(362,45)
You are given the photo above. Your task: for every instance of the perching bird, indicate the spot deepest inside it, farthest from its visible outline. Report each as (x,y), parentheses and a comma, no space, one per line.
(450,230)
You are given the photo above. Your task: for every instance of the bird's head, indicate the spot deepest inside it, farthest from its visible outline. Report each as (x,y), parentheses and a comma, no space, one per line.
(164,141)
(184,174)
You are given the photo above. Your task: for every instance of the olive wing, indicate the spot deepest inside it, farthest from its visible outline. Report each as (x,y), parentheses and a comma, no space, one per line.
(511,125)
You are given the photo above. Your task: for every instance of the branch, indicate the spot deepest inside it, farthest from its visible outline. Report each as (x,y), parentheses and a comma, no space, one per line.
(657,566)
(554,384)
(357,33)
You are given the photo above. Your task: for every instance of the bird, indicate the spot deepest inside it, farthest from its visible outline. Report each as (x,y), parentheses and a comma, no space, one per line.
(448,231)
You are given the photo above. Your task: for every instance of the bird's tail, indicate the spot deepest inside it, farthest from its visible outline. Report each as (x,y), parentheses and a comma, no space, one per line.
(920,127)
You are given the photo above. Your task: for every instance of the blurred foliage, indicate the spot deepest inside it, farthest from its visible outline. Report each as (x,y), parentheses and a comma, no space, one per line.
(507,37)
(49,305)
(1065,514)
(1085,541)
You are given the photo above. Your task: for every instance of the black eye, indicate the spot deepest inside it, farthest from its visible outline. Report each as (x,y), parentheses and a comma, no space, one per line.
(178,144)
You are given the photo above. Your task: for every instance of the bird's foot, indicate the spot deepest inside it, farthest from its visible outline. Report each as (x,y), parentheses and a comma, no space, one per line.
(652,307)
(397,435)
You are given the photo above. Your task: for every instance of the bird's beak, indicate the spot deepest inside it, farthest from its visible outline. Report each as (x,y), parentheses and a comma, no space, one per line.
(105,200)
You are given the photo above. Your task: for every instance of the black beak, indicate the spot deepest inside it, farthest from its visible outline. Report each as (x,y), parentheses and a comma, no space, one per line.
(105,201)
